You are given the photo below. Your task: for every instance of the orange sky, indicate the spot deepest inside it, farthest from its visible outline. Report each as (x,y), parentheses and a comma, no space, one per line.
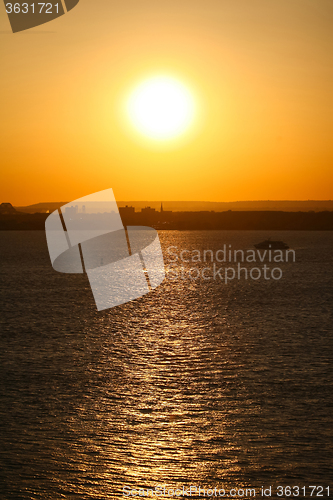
(261,73)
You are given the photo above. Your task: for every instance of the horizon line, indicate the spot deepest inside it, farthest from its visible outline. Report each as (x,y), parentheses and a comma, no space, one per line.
(190,201)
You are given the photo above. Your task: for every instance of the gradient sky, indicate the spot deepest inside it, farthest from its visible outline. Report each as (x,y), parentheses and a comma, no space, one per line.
(261,72)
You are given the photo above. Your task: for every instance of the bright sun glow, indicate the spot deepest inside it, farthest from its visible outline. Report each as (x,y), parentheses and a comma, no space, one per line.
(161,108)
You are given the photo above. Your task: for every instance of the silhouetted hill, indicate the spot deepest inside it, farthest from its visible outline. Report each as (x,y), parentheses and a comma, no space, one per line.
(46,207)
(7,208)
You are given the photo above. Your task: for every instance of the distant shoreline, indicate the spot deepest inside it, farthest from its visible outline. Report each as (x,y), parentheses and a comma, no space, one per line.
(203,220)
(197,206)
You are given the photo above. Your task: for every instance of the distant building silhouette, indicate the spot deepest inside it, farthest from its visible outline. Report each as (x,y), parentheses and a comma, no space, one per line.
(72,210)
(165,214)
(127,211)
(127,215)
(148,211)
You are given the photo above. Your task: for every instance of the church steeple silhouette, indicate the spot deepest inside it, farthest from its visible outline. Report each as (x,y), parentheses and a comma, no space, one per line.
(161,207)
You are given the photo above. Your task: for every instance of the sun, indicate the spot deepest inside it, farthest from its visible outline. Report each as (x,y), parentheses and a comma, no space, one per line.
(161,108)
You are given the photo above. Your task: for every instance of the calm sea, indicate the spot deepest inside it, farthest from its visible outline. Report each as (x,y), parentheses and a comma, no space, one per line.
(199,383)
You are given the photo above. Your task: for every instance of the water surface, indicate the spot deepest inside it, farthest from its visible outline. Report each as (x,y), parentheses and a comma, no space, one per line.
(197,383)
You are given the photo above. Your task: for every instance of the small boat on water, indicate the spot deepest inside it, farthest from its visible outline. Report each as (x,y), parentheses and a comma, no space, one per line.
(271,245)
